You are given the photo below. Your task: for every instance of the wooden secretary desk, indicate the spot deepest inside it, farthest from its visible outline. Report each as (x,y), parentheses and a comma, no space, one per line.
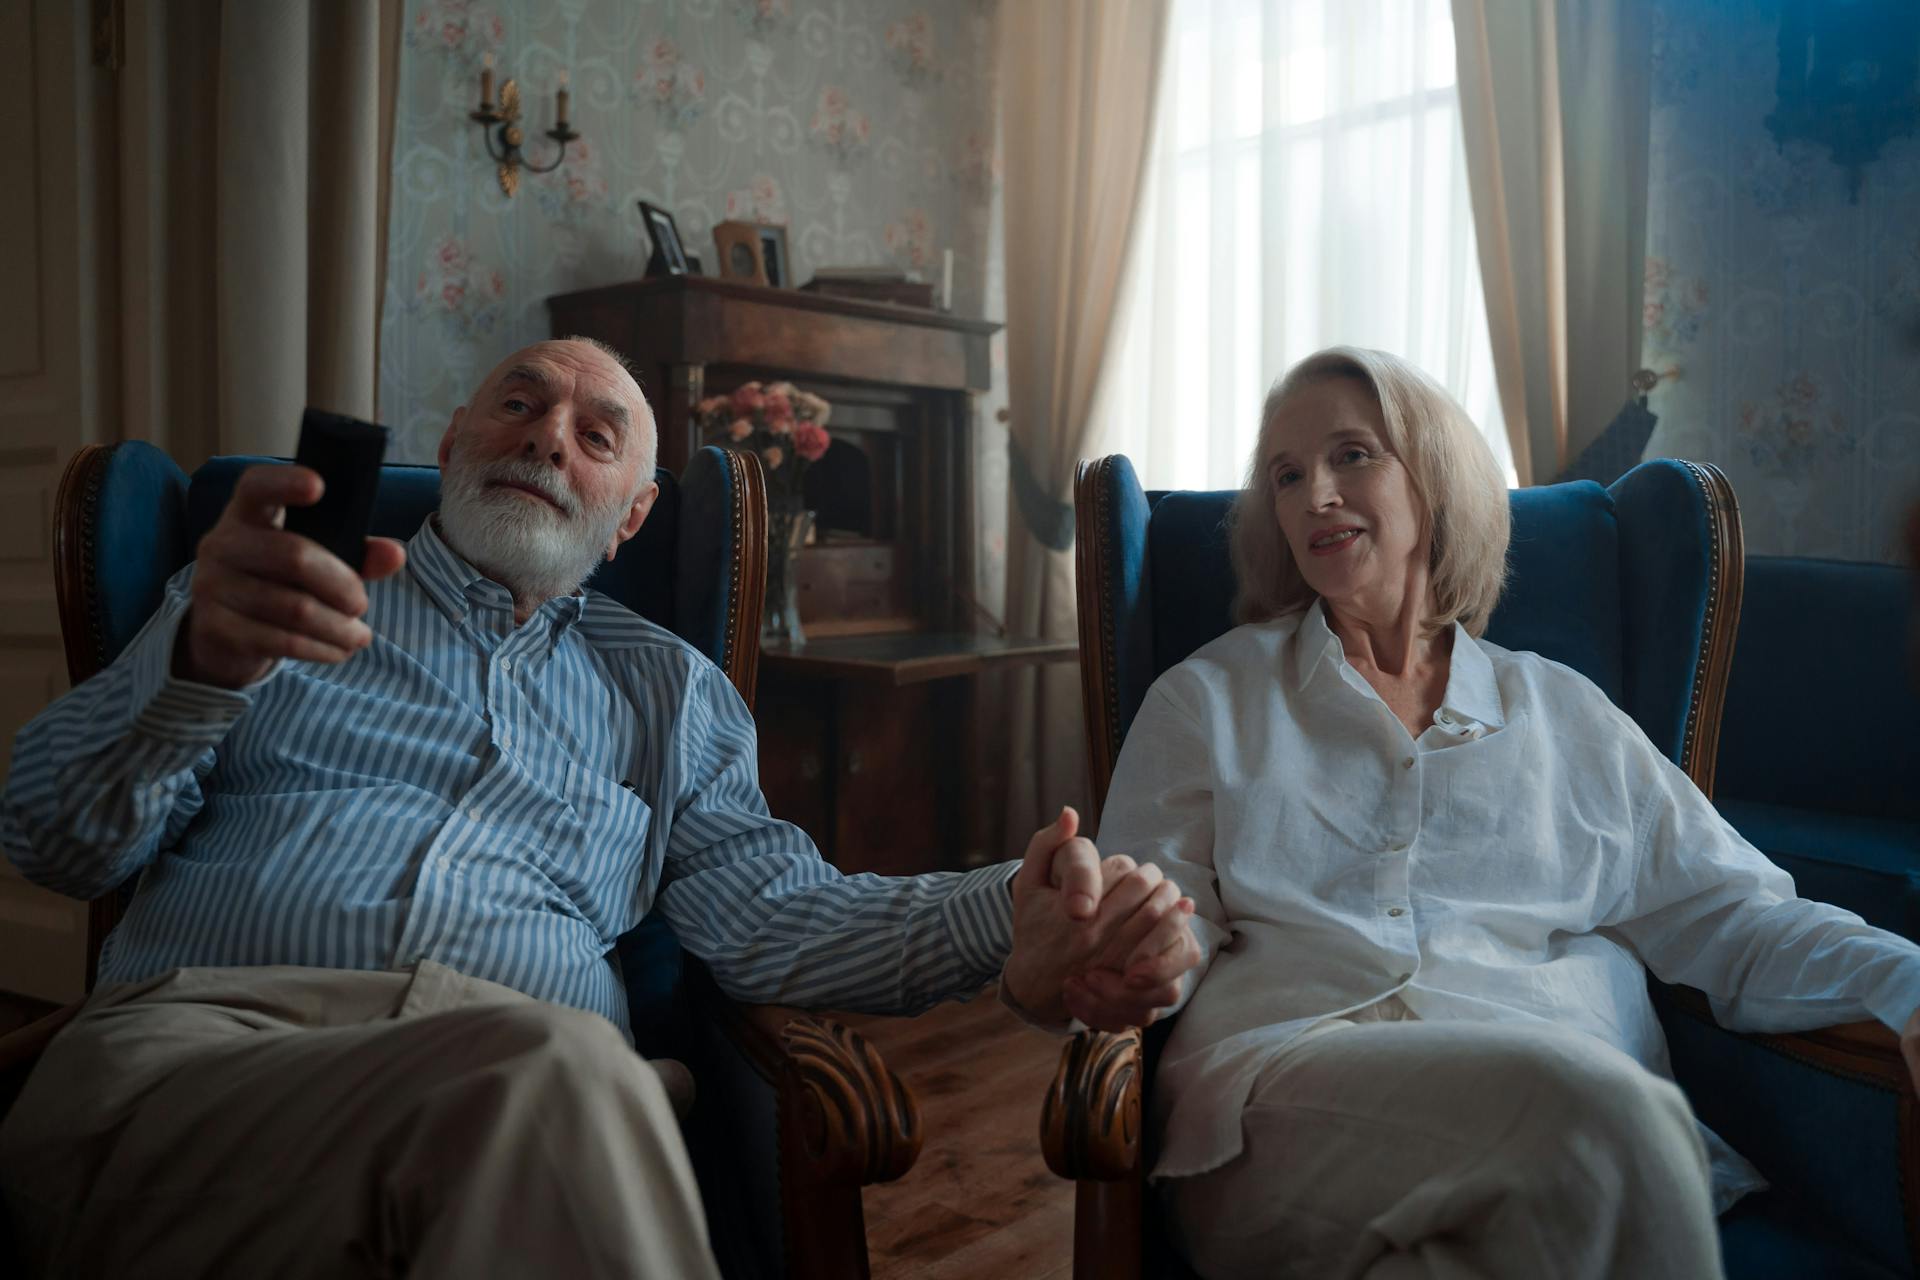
(864,728)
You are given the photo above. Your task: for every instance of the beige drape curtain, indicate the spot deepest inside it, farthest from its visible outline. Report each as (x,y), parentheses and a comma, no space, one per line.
(1077,88)
(1554,108)
(253,143)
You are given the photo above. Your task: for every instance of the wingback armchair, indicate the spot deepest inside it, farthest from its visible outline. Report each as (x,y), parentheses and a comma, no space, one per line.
(1820,663)
(794,1112)
(1638,587)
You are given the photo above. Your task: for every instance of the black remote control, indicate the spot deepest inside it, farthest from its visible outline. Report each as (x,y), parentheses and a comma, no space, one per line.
(347,453)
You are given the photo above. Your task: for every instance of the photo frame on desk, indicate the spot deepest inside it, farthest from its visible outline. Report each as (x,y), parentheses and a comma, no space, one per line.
(773,257)
(670,257)
(753,254)
(741,256)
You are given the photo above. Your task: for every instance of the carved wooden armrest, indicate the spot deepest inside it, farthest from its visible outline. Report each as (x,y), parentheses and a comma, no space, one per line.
(845,1122)
(1090,1122)
(1864,1051)
(843,1112)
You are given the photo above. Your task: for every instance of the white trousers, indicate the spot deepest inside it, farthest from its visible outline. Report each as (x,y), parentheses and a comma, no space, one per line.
(1387,1147)
(316,1122)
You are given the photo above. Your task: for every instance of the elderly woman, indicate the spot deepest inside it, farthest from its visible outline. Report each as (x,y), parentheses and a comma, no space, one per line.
(1430,875)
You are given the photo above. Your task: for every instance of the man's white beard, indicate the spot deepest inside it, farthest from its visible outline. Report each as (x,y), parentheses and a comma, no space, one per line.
(534,551)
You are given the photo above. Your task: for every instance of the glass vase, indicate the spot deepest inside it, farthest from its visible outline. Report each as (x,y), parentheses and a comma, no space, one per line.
(787,529)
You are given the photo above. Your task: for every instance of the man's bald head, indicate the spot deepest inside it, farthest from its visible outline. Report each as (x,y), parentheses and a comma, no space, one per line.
(612,389)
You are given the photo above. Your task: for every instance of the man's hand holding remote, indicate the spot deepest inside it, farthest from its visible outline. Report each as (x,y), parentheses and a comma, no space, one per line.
(261,594)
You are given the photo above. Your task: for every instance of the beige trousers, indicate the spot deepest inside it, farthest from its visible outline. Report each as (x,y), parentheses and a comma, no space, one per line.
(317,1122)
(1388,1147)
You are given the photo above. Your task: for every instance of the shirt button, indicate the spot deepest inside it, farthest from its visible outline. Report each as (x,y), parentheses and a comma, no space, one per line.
(472,811)
(1396,912)
(506,664)
(506,739)
(1407,763)
(1398,846)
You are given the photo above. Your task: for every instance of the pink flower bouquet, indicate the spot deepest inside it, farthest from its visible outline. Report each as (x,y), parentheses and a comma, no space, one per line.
(785,426)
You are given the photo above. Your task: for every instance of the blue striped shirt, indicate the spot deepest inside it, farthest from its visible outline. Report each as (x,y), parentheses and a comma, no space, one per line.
(505,800)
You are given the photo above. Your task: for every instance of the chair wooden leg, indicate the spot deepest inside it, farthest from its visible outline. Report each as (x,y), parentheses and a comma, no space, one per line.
(1106,1229)
(826,1232)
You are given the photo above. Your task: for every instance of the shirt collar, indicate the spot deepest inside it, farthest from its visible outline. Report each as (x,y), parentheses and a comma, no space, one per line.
(1317,643)
(456,587)
(1473,693)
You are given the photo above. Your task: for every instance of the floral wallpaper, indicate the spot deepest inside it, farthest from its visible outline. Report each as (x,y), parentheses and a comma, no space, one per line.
(863,126)
(1784,317)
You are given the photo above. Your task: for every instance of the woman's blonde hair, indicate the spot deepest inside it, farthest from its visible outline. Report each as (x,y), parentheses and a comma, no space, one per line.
(1458,486)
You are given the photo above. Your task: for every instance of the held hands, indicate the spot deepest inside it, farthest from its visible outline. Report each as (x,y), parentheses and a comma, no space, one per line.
(261,594)
(1102,941)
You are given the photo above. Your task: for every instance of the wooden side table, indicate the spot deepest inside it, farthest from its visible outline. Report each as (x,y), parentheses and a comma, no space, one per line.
(866,744)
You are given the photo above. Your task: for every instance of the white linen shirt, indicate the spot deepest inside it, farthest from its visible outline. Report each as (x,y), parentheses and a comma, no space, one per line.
(1518,862)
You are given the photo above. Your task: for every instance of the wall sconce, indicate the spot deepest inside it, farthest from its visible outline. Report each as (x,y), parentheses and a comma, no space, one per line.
(500,126)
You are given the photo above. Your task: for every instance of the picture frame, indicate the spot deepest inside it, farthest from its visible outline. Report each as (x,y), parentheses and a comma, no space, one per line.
(669,255)
(742,252)
(774,261)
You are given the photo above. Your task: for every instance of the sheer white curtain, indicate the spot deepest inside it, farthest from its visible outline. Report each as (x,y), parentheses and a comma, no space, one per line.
(1307,187)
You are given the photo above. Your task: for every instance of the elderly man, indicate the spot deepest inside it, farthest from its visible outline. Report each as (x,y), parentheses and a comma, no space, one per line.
(362,1015)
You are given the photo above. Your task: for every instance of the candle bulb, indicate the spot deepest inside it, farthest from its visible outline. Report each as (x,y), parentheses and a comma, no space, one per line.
(486,81)
(946,281)
(560,100)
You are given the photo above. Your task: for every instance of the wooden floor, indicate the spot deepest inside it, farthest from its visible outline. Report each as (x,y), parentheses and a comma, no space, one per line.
(980,1201)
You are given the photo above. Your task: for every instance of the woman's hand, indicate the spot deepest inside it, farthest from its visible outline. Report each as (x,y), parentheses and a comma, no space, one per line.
(1131,992)
(1074,913)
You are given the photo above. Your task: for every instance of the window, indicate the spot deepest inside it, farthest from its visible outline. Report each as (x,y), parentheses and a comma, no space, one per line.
(1307,187)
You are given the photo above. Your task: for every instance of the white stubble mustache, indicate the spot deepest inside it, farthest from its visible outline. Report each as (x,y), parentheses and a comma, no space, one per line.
(532,475)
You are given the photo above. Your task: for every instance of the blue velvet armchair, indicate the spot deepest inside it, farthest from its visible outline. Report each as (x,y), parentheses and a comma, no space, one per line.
(1637,586)
(795,1113)
(1818,762)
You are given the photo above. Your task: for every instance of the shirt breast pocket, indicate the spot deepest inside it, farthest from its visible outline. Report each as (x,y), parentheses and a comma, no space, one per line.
(609,812)
(601,859)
